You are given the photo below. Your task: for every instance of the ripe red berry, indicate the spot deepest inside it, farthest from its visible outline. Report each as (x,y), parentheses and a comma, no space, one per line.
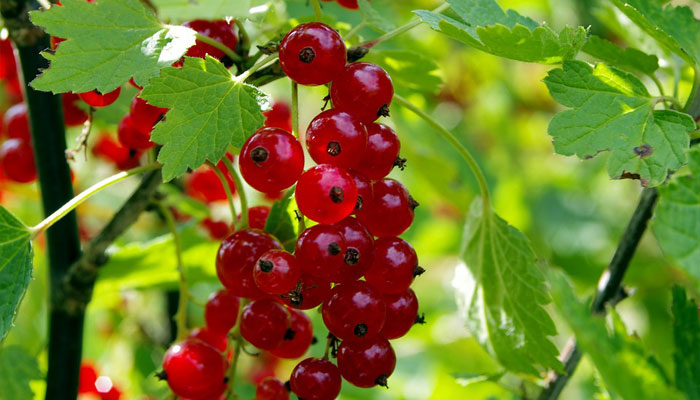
(97,99)
(264,323)
(351,4)
(257,217)
(336,137)
(220,30)
(279,116)
(238,253)
(316,379)
(17,160)
(354,311)
(359,252)
(382,152)
(271,389)
(365,194)
(132,137)
(299,337)
(213,339)
(363,90)
(367,363)
(394,267)
(321,251)
(221,311)
(8,65)
(326,193)
(242,284)
(194,369)
(271,160)
(110,149)
(276,272)
(403,308)
(133,161)
(312,54)
(390,212)
(15,122)
(310,292)
(144,115)
(88,376)
(203,184)
(217,230)
(72,114)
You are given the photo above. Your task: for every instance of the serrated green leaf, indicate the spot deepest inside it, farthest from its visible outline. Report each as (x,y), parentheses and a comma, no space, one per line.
(627,369)
(674,27)
(611,110)
(410,71)
(506,34)
(178,11)
(502,294)
(676,223)
(686,338)
(17,369)
(279,221)
(108,42)
(373,18)
(15,267)
(209,111)
(629,58)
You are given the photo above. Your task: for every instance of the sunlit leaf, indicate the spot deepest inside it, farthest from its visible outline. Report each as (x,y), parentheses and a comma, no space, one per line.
(177,11)
(629,58)
(15,267)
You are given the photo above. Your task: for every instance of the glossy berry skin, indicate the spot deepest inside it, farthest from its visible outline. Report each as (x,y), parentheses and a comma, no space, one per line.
(326,194)
(17,160)
(276,272)
(390,213)
(271,389)
(354,311)
(359,251)
(350,4)
(217,230)
(221,311)
(364,90)
(257,217)
(383,148)
(213,339)
(321,250)
(298,339)
(337,138)
(15,122)
(403,308)
(264,324)
(271,160)
(394,266)
(220,30)
(97,99)
(311,292)
(203,184)
(239,252)
(312,54)
(365,193)
(132,137)
(367,363)
(72,114)
(279,116)
(316,379)
(144,115)
(194,369)
(243,285)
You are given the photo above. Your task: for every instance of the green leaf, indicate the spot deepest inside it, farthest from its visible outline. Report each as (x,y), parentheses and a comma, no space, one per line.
(612,111)
(178,11)
(17,369)
(686,338)
(674,27)
(279,221)
(628,371)
(506,34)
(108,42)
(676,223)
(15,267)
(629,58)
(185,204)
(373,18)
(502,294)
(209,111)
(410,71)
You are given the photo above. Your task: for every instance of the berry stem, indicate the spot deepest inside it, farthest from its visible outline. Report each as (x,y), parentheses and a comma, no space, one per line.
(243,224)
(86,194)
(225,49)
(447,135)
(243,47)
(242,77)
(227,189)
(318,13)
(181,315)
(354,30)
(401,29)
(295,109)
(237,348)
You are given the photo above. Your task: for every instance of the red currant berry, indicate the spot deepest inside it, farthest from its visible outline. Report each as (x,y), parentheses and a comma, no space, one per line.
(217,230)
(359,252)
(221,311)
(403,308)
(350,4)
(97,99)
(264,324)
(132,137)
(15,122)
(133,161)
(390,212)
(257,217)
(243,285)
(336,137)
(194,369)
(394,267)
(326,193)
(17,160)
(382,152)
(367,363)
(321,250)
(72,114)
(8,65)
(144,115)
(271,389)
(279,116)
(239,252)
(221,31)
(110,149)
(354,311)
(315,379)
(363,90)
(203,184)
(276,272)
(213,339)
(312,54)
(365,193)
(310,292)
(271,160)
(298,339)
(88,376)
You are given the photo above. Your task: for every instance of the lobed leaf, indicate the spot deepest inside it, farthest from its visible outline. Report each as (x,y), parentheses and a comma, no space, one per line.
(15,267)
(686,338)
(178,11)
(17,370)
(373,18)
(629,58)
